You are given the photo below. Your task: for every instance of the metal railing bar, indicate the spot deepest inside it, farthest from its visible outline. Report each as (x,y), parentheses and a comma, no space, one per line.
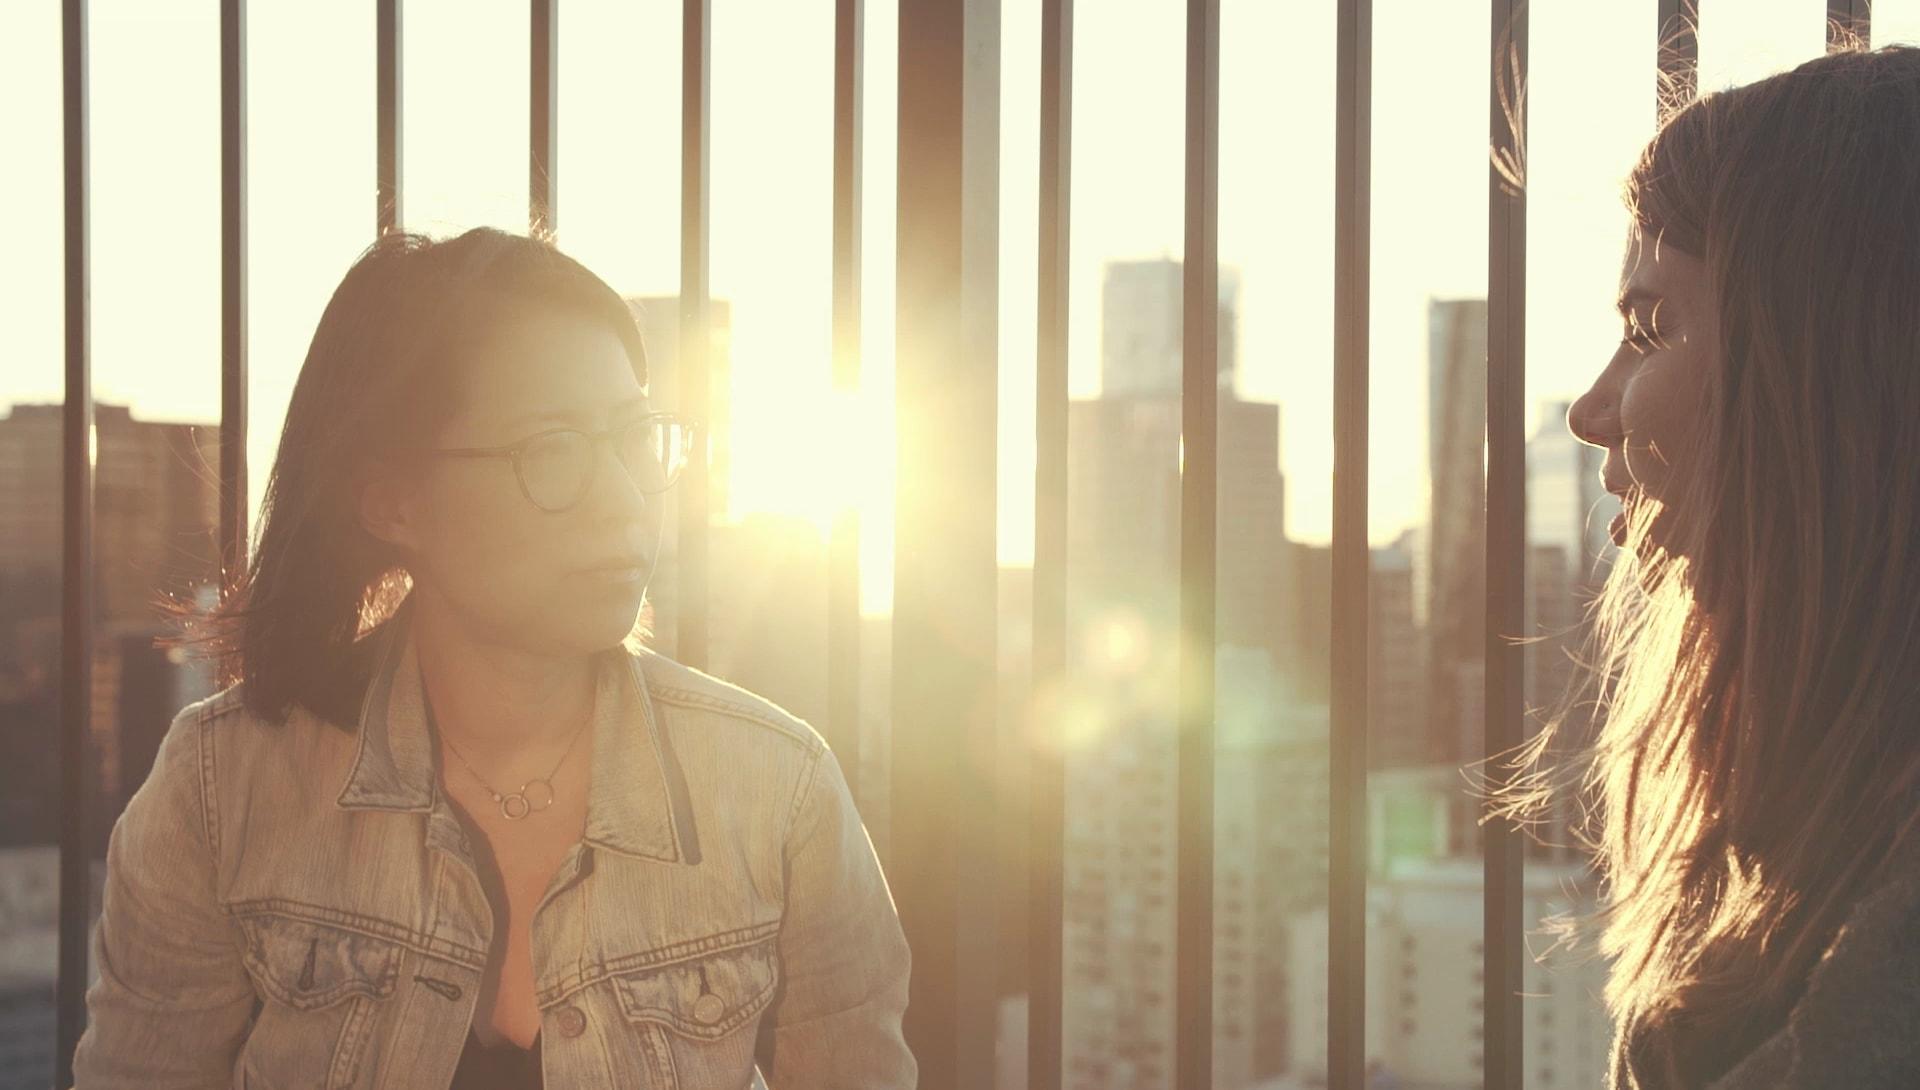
(843,543)
(77,585)
(944,862)
(1677,47)
(233,286)
(386,113)
(543,100)
(691,367)
(1505,939)
(1046,891)
(1848,21)
(1199,496)
(1351,560)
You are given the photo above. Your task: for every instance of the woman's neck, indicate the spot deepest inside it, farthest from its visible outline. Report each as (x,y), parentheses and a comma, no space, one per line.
(494,702)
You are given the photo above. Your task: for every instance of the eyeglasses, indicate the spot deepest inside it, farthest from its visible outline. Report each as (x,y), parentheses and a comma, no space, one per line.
(556,467)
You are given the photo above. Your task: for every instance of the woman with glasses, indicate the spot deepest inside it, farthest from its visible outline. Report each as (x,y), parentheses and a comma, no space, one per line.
(1758,664)
(450,823)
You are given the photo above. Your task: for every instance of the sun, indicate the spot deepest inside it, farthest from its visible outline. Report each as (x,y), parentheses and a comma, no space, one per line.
(815,456)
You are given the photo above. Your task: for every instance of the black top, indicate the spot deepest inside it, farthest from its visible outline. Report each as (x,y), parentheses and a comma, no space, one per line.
(505,1066)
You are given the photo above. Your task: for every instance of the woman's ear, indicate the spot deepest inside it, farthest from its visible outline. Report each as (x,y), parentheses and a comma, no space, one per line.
(386,501)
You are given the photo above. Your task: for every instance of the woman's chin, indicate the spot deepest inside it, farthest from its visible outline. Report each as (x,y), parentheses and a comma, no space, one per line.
(605,616)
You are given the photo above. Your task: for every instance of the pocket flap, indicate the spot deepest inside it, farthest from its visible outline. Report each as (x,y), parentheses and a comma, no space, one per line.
(708,996)
(308,965)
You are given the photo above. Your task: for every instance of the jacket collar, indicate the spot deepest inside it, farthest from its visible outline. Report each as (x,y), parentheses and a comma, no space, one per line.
(637,800)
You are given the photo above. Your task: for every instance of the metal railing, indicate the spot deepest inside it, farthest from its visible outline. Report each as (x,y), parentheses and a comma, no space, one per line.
(945,621)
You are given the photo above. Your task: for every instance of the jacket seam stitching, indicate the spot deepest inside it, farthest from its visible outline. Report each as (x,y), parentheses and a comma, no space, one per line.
(209,797)
(369,926)
(660,761)
(690,699)
(660,957)
(802,791)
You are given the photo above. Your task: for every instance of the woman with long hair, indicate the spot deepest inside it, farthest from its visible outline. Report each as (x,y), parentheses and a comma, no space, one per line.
(1757,767)
(450,823)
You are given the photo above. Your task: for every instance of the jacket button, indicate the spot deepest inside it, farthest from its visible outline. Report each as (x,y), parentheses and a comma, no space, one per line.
(708,1009)
(571,1021)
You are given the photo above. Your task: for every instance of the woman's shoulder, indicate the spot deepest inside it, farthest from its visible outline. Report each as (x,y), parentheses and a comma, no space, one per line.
(1858,1023)
(229,751)
(682,695)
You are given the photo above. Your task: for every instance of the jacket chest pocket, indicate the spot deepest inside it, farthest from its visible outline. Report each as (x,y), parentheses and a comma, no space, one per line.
(697,1017)
(321,988)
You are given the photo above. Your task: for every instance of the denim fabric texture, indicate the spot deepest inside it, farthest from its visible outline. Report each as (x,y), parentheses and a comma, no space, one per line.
(296,905)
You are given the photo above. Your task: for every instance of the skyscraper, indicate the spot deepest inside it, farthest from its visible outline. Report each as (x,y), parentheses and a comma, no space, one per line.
(1456,545)
(1396,662)
(156,496)
(1567,506)
(1141,324)
(1123,529)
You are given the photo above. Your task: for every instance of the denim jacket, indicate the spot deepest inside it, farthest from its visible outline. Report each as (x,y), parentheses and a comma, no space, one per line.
(293,905)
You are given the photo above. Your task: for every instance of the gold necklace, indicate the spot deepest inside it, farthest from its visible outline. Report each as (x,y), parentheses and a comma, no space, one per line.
(515,805)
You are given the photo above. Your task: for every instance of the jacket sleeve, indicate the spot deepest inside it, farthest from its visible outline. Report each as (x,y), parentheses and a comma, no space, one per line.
(835,1022)
(171,1003)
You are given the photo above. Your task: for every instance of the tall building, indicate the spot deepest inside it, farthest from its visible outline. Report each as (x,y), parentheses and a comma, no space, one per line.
(156,505)
(1141,323)
(1121,895)
(1456,545)
(1425,952)
(156,495)
(1305,618)
(1568,558)
(659,319)
(1567,506)
(1123,509)
(1123,529)
(1396,662)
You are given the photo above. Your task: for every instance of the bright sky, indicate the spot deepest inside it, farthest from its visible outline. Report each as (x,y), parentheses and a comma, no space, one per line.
(155,117)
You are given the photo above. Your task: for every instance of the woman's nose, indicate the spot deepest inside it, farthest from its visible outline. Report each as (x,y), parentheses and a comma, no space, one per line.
(1594,418)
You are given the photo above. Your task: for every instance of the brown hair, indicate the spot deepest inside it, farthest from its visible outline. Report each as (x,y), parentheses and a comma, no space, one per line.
(380,373)
(1757,680)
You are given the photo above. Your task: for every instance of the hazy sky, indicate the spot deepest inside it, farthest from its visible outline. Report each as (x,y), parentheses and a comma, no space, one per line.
(155,210)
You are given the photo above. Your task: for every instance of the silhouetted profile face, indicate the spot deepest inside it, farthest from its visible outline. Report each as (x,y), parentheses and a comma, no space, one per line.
(1645,407)
(513,571)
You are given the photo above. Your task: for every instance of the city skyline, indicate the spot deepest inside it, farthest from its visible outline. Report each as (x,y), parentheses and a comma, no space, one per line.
(155,168)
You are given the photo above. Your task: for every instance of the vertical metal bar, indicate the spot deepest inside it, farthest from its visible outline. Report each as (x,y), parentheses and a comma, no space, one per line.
(76,591)
(1505,939)
(843,546)
(233,286)
(1047,859)
(945,620)
(1677,79)
(1347,735)
(1199,495)
(543,124)
(387,211)
(696,33)
(1848,22)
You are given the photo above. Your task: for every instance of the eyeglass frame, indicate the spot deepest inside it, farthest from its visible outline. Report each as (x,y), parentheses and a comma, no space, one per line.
(514,450)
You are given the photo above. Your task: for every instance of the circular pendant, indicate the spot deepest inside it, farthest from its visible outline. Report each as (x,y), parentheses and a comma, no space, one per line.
(538,794)
(533,797)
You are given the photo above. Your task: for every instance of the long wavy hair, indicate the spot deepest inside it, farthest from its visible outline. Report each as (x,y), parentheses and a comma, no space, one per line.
(1757,678)
(383,370)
